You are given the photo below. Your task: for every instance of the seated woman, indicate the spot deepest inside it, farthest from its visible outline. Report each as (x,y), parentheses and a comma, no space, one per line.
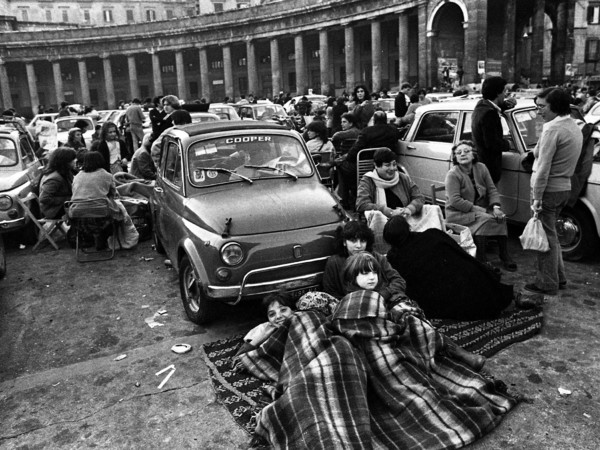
(473,200)
(93,183)
(75,141)
(352,238)
(349,131)
(318,140)
(441,277)
(56,183)
(142,165)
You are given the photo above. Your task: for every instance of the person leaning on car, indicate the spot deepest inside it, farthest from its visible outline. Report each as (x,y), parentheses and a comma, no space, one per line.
(486,126)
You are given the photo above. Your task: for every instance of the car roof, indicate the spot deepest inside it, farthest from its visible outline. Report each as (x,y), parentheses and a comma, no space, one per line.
(196,129)
(467,104)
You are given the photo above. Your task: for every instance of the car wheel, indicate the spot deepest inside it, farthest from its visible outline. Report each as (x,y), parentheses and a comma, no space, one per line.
(576,233)
(157,244)
(196,305)
(2,258)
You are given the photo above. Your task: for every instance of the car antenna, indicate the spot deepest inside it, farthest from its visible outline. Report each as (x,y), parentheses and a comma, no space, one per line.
(225,233)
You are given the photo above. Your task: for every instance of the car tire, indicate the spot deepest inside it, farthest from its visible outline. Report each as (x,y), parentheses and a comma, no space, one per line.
(157,244)
(2,258)
(196,305)
(577,233)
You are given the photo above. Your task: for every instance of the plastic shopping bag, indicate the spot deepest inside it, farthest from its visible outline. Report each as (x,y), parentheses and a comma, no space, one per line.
(534,237)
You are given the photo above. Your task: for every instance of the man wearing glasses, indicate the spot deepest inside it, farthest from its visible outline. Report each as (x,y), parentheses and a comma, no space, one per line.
(486,126)
(556,155)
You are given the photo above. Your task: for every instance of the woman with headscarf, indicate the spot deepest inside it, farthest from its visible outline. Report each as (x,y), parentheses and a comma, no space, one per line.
(441,277)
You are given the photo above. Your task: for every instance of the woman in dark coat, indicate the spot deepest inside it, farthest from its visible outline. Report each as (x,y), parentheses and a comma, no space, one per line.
(441,277)
(56,184)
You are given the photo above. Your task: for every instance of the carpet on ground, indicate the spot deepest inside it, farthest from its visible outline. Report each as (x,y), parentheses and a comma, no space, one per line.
(243,395)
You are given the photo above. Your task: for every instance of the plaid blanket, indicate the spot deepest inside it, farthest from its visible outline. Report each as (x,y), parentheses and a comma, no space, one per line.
(360,380)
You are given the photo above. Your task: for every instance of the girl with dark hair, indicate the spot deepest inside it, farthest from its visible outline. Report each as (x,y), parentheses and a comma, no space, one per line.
(473,200)
(318,140)
(112,149)
(56,183)
(352,238)
(363,109)
(76,142)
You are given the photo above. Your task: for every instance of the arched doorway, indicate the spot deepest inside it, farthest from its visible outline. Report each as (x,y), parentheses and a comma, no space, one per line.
(447,43)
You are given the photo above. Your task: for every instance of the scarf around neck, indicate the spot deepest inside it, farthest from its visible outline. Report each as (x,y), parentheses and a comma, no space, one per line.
(382,185)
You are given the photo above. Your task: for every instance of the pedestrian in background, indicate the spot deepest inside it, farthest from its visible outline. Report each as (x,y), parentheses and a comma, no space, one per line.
(401,103)
(135,117)
(363,107)
(556,155)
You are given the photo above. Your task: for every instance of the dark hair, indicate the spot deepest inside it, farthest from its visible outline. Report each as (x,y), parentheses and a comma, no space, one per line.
(396,230)
(136,100)
(559,101)
(81,124)
(414,98)
(318,127)
(352,231)
(421,91)
(157,100)
(350,118)
(379,117)
(382,156)
(330,101)
(60,161)
(473,151)
(106,126)
(281,297)
(364,88)
(341,100)
(362,262)
(93,161)
(181,117)
(492,87)
(405,85)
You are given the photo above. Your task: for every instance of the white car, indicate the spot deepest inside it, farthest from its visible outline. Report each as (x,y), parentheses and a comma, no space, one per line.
(224,111)
(593,115)
(426,156)
(198,117)
(48,117)
(316,100)
(64,124)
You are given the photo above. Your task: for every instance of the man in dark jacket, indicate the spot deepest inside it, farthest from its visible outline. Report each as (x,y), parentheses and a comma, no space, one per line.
(400,103)
(486,125)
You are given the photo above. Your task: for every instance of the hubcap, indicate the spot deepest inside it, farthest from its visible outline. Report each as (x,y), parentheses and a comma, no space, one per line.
(191,289)
(568,233)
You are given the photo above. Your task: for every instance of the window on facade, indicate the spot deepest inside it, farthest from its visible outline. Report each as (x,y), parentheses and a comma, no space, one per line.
(24,15)
(314,54)
(108,15)
(48,15)
(216,64)
(218,7)
(150,15)
(190,12)
(592,50)
(593,13)
(168,69)
(86,15)
(170,14)
(129,15)
(65,15)
(241,62)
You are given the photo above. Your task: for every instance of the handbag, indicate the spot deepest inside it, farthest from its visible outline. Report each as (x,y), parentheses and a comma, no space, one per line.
(534,237)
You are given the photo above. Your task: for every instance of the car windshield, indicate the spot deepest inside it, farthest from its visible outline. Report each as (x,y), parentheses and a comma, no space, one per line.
(265,112)
(529,125)
(8,152)
(386,105)
(252,156)
(67,124)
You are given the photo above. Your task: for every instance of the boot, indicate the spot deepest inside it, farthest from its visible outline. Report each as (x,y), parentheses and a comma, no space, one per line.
(507,261)
(472,360)
(480,242)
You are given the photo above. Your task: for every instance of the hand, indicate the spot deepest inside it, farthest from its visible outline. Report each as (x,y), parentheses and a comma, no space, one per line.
(497,212)
(510,102)
(124,161)
(536,206)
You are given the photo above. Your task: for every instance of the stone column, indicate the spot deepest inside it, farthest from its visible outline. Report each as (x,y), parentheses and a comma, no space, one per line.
(134,90)
(5,89)
(376,55)
(475,41)
(83,82)
(349,53)
(204,77)
(403,52)
(58,85)
(508,42)
(300,65)
(32,85)
(108,82)
(156,74)
(227,71)
(252,71)
(424,45)
(180,69)
(324,62)
(537,42)
(275,67)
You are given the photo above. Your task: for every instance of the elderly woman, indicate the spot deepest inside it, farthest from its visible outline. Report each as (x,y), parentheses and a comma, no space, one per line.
(55,186)
(317,137)
(363,109)
(473,200)
(112,148)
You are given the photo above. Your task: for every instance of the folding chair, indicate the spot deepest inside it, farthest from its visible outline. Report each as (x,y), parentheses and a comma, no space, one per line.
(46,227)
(91,220)
(364,162)
(323,161)
(434,191)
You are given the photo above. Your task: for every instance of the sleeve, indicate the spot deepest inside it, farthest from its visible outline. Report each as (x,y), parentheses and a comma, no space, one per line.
(146,166)
(365,196)
(396,284)
(400,105)
(417,200)
(48,193)
(547,146)
(453,192)
(332,279)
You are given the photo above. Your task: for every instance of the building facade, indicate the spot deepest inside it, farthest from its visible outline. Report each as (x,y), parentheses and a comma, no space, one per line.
(295,45)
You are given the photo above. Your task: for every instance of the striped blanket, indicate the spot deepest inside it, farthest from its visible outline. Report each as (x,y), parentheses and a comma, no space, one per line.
(359,380)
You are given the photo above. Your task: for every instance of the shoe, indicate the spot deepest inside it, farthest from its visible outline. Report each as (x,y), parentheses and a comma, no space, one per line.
(562,285)
(510,265)
(529,302)
(533,288)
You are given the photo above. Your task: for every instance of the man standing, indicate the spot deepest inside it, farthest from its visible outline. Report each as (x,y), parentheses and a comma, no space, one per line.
(400,103)
(135,117)
(556,155)
(486,126)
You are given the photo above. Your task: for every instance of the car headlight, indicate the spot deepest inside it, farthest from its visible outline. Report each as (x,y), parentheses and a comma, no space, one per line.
(6,202)
(232,254)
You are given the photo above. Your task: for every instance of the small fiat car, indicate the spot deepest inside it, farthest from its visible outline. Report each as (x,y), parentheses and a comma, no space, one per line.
(241,212)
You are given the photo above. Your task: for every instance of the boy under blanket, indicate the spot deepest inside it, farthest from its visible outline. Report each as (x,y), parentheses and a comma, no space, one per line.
(356,379)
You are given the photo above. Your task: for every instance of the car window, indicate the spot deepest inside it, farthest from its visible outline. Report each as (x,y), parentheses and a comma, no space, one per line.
(529,125)
(466,132)
(8,152)
(26,151)
(271,155)
(173,164)
(437,126)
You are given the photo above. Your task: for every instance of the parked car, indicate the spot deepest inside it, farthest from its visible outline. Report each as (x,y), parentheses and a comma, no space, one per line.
(198,117)
(20,169)
(32,125)
(318,101)
(426,156)
(268,112)
(224,111)
(64,124)
(240,211)
(593,115)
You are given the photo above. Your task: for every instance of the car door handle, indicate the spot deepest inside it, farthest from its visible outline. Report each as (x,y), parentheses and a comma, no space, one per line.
(158,189)
(411,147)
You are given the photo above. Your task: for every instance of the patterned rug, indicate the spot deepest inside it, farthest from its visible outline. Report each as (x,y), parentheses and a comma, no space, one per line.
(243,395)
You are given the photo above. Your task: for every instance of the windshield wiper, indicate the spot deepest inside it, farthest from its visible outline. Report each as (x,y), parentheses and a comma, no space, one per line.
(223,169)
(295,177)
